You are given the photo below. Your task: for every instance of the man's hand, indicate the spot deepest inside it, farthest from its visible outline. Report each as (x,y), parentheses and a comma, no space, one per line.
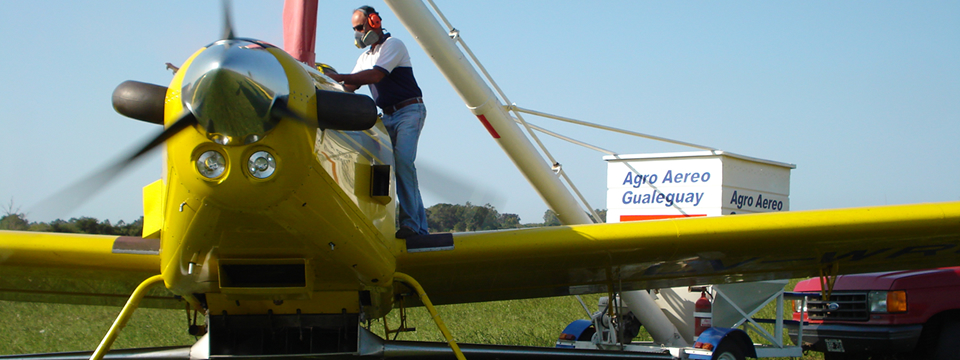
(359,79)
(339,78)
(353,81)
(336,77)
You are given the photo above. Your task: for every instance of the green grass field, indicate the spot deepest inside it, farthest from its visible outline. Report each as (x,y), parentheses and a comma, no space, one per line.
(40,328)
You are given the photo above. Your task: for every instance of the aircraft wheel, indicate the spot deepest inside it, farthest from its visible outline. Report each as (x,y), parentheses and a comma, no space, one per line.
(728,350)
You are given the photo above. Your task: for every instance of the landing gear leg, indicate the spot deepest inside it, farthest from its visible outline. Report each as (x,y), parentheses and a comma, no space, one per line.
(124,316)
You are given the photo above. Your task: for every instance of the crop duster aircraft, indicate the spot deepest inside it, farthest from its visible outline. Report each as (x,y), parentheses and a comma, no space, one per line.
(275,218)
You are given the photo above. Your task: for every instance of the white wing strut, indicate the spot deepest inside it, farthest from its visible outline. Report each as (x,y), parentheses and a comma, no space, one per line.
(480,99)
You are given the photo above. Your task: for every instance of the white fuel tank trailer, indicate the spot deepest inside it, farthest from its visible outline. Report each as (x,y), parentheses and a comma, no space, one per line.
(691,184)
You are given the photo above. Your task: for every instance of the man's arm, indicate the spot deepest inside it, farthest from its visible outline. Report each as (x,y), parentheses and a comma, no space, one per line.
(353,81)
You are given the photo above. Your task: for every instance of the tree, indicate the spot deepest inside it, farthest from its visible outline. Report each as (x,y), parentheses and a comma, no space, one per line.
(550,218)
(13,219)
(601,213)
(443,217)
(481,217)
(62,226)
(87,225)
(510,221)
(468,217)
(132,229)
(14,222)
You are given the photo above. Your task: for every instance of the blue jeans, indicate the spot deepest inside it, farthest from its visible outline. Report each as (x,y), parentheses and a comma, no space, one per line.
(404,127)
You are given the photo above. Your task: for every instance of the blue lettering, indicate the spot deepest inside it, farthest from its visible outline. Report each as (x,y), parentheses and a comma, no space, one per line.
(658,197)
(926,250)
(741,200)
(639,179)
(769,204)
(677,178)
(855,255)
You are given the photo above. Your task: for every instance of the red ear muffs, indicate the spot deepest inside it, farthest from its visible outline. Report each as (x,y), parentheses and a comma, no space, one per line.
(374,20)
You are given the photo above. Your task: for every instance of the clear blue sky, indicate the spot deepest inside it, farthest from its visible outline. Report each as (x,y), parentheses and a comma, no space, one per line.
(863,96)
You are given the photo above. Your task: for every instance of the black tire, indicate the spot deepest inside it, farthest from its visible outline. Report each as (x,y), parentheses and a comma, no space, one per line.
(728,350)
(587,334)
(946,347)
(842,356)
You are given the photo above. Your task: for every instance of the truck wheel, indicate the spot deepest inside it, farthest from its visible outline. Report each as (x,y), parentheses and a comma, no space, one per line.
(728,350)
(946,347)
(842,356)
(587,334)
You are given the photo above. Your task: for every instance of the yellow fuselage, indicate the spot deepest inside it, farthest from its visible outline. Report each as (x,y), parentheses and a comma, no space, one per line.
(243,242)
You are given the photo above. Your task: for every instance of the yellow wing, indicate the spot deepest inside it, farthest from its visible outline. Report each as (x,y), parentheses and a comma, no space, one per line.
(79,269)
(565,260)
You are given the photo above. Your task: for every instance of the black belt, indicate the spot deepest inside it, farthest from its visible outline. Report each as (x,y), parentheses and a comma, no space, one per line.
(392,109)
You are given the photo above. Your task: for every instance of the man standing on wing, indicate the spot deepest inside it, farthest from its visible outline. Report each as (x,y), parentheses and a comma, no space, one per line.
(386,68)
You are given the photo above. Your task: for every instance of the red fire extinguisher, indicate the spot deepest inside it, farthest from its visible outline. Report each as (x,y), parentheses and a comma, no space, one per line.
(702,314)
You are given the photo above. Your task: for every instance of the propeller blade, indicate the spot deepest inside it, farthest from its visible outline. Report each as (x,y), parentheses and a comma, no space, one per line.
(76,194)
(281,109)
(227,24)
(186,120)
(448,187)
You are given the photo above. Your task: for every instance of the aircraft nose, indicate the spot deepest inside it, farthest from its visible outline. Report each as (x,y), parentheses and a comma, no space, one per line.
(230,87)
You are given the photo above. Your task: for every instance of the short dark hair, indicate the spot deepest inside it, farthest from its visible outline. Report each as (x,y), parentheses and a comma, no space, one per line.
(367,10)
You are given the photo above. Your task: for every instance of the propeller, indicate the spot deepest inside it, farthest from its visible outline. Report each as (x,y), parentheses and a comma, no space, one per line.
(146,102)
(453,189)
(227,24)
(139,101)
(79,192)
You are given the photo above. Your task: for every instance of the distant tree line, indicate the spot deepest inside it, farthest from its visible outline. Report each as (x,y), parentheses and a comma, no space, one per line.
(469,217)
(550,218)
(440,218)
(15,220)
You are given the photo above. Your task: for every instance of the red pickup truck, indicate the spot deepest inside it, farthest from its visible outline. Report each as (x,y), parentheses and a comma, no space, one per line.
(905,314)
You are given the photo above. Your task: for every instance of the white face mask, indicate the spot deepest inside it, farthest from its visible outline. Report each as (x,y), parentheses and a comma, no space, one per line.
(362,40)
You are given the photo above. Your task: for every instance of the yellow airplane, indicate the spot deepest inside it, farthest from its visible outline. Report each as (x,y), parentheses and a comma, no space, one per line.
(275,218)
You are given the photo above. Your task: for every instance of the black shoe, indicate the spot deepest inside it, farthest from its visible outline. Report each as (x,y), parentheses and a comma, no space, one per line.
(405,232)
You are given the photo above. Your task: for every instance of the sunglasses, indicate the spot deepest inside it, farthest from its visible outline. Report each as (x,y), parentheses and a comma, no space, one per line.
(358,28)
